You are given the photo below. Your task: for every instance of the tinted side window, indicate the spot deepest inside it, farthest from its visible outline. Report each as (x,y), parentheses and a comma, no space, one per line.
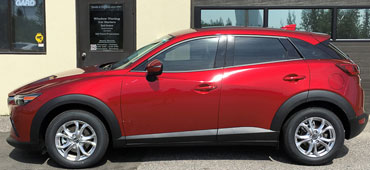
(292,52)
(310,51)
(250,50)
(192,55)
(332,50)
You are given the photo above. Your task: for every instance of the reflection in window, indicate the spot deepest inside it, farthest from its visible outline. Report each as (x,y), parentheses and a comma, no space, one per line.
(4,42)
(28,21)
(192,55)
(249,50)
(232,17)
(353,24)
(312,20)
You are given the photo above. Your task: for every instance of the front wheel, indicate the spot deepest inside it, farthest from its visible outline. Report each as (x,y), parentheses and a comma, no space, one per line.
(313,136)
(76,139)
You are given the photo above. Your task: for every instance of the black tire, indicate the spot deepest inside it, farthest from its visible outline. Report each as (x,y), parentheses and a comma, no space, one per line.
(289,131)
(96,124)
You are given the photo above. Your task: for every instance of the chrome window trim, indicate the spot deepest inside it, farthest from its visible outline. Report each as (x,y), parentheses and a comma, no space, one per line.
(218,68)
(268,62)
(258,36)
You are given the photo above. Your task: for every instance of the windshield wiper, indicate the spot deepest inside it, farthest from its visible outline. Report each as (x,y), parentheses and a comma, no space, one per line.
(107,67)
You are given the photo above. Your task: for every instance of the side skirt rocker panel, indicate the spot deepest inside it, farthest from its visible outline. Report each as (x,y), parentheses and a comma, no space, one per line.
(225,136)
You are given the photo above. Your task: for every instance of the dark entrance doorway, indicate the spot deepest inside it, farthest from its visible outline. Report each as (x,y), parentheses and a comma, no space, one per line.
(106,30)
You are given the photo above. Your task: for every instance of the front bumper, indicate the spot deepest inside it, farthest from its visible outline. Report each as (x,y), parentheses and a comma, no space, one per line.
(23,145)
(16,137)
(357,125)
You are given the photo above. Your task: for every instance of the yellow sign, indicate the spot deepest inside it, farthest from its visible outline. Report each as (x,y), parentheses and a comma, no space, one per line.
(39,38)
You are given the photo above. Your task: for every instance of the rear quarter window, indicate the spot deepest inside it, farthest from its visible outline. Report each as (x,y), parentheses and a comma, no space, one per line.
(320,51)
(333,50)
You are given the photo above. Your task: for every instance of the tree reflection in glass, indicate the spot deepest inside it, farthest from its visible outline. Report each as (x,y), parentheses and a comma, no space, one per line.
(353,24)
(312,20)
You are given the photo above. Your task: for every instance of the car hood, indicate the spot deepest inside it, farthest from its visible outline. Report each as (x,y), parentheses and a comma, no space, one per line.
(56,79)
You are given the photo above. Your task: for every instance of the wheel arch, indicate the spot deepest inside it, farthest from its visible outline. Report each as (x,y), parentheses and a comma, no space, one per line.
(315,98)
(74,101)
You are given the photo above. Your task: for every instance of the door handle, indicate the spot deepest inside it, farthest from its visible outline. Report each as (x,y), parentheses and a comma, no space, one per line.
(205,88)
(83,56)
(294,77)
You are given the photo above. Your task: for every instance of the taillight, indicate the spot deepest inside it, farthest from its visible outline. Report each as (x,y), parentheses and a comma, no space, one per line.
(350,69)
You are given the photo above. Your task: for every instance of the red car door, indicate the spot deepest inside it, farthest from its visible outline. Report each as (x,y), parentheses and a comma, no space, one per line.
(261,74)
(182,104)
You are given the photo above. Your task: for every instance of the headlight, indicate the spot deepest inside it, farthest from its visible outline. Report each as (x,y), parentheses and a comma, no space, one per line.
(23,99)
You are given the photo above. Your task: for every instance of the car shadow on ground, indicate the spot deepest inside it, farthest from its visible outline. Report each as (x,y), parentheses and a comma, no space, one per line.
(150,154)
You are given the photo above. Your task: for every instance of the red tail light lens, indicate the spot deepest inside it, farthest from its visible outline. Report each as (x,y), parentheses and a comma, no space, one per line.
(350,69)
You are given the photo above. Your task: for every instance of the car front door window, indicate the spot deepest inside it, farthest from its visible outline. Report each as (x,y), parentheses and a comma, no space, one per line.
(192,55)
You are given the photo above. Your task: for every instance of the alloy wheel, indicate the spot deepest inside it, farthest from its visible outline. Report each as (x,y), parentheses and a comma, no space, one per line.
(76,140)
(315,137)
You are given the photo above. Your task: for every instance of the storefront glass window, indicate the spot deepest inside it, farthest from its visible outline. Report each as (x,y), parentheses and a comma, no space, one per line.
(232,17)
(353,24)
(28,24)
(312,20)
(4,29)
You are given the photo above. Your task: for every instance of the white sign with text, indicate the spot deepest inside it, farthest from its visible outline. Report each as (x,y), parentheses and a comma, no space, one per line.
(21,3)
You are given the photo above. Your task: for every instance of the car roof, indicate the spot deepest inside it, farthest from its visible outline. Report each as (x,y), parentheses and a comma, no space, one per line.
(310,37)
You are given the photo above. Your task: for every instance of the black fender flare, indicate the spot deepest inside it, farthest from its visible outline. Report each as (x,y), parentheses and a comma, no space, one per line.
(92,102)
(310,96)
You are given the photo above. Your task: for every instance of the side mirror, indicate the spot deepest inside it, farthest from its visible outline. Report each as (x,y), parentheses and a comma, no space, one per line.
(154,69)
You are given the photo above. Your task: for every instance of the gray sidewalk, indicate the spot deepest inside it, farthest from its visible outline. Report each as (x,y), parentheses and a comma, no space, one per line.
(354,155)
(4,124)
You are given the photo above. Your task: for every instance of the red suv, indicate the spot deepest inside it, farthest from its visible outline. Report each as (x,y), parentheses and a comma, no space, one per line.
(196,87)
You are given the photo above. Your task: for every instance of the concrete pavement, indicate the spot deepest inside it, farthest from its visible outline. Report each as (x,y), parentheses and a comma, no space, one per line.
(354,155)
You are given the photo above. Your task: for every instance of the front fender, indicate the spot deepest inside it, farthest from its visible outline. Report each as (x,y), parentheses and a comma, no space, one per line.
(89,101)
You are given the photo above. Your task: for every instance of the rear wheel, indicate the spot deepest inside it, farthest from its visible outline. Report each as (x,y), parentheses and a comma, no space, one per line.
(313,136)
(76,139)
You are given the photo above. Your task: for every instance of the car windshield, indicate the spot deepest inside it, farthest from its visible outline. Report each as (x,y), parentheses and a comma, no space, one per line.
(140,53)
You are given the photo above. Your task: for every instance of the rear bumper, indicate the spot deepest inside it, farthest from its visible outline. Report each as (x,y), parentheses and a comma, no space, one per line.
(23,145)
(357,125)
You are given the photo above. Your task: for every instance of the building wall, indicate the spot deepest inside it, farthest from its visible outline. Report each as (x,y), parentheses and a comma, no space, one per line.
(17,69)
(155,19)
